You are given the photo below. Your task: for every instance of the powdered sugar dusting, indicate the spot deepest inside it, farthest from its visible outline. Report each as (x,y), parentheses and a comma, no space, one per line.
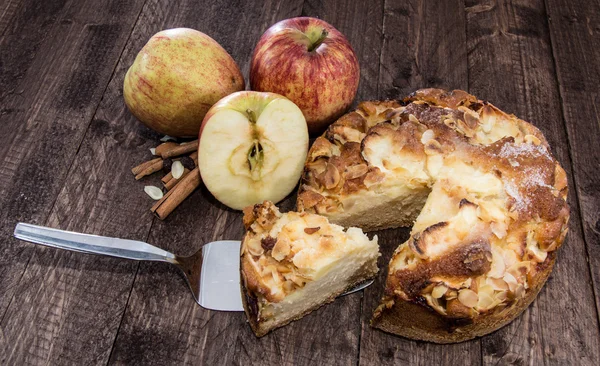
(531,178)
(509,151)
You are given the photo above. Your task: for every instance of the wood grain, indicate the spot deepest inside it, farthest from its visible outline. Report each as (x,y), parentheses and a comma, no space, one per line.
(510,65)
(57,58)
(577,62)
(424,46)
(67,307)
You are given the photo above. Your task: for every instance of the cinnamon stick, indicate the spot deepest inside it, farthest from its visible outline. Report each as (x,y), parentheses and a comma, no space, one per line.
(146,168)
(173,181)
(167,178)
(194,156)
(171,151)
(164,147)
(175,196)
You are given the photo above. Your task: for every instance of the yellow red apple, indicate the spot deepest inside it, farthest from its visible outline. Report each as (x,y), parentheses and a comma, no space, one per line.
(310,62)
(175,79)
(252,147)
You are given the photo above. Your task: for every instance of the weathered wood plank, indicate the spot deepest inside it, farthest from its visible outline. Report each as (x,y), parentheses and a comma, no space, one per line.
(577,60)
(67,307)
(7,11)
(57,58)
(424,46)
(510,64)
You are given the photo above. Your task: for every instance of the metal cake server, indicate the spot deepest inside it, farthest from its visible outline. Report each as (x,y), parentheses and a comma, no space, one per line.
(212,273)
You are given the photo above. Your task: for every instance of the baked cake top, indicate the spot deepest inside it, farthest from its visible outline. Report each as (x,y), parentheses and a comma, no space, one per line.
(497,205)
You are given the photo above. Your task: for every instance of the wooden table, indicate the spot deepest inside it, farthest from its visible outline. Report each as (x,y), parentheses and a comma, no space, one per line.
(68,143)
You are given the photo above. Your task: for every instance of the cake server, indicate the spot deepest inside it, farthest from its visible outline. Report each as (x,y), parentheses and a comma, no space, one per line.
(212,273)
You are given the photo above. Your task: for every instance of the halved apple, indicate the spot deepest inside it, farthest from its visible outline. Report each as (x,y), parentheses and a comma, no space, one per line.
(252,148)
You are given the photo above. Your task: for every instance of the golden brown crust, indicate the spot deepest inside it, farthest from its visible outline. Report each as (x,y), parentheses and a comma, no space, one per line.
(427,325)
(498,216)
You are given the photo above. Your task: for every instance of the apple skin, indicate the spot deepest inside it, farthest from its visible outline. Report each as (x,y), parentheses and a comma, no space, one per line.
(175,79)
(322,82)
(279,128)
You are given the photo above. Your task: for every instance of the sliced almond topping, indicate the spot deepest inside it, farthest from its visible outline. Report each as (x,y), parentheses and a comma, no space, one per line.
(499,229)
(439,291)
(412,118)
(154,192)
(537,253)
(177,169)
(485,289)
(485,301)
(531,139)
(356,171)
(153,151)
(468,298)
(451,294)
(320,148)
(254,247)
(511,282)
(427,135)
(501,296)
(498,268)
(331,177)
(373,177)
(281,249)
(471,120)
(467,283)
(520,291)
(497,284)
(434,303)
(519,269)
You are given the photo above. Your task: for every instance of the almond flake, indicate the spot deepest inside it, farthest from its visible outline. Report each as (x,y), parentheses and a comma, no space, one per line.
(177,169)
(153,151)
(468,298)
(439,291)
(167,138)
(154,192)
(511,281)
(485,301)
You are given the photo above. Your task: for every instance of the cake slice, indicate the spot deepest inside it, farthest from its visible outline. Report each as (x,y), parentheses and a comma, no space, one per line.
(292,263)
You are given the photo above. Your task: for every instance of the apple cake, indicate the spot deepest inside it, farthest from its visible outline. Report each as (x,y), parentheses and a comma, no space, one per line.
(484,196)
(292,263)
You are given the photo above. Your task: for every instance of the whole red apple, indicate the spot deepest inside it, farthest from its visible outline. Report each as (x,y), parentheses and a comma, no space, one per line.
(311,63)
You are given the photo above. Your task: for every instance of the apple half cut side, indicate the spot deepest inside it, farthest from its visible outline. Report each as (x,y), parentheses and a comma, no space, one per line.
(252,148)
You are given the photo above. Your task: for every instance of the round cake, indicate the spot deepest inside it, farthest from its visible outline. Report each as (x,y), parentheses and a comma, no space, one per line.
(484,196)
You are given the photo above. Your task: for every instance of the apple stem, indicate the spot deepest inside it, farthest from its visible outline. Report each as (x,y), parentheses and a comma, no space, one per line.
(251,115)
(318,42)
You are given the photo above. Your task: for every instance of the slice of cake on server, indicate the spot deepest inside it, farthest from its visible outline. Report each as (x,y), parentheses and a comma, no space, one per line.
(292,263)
